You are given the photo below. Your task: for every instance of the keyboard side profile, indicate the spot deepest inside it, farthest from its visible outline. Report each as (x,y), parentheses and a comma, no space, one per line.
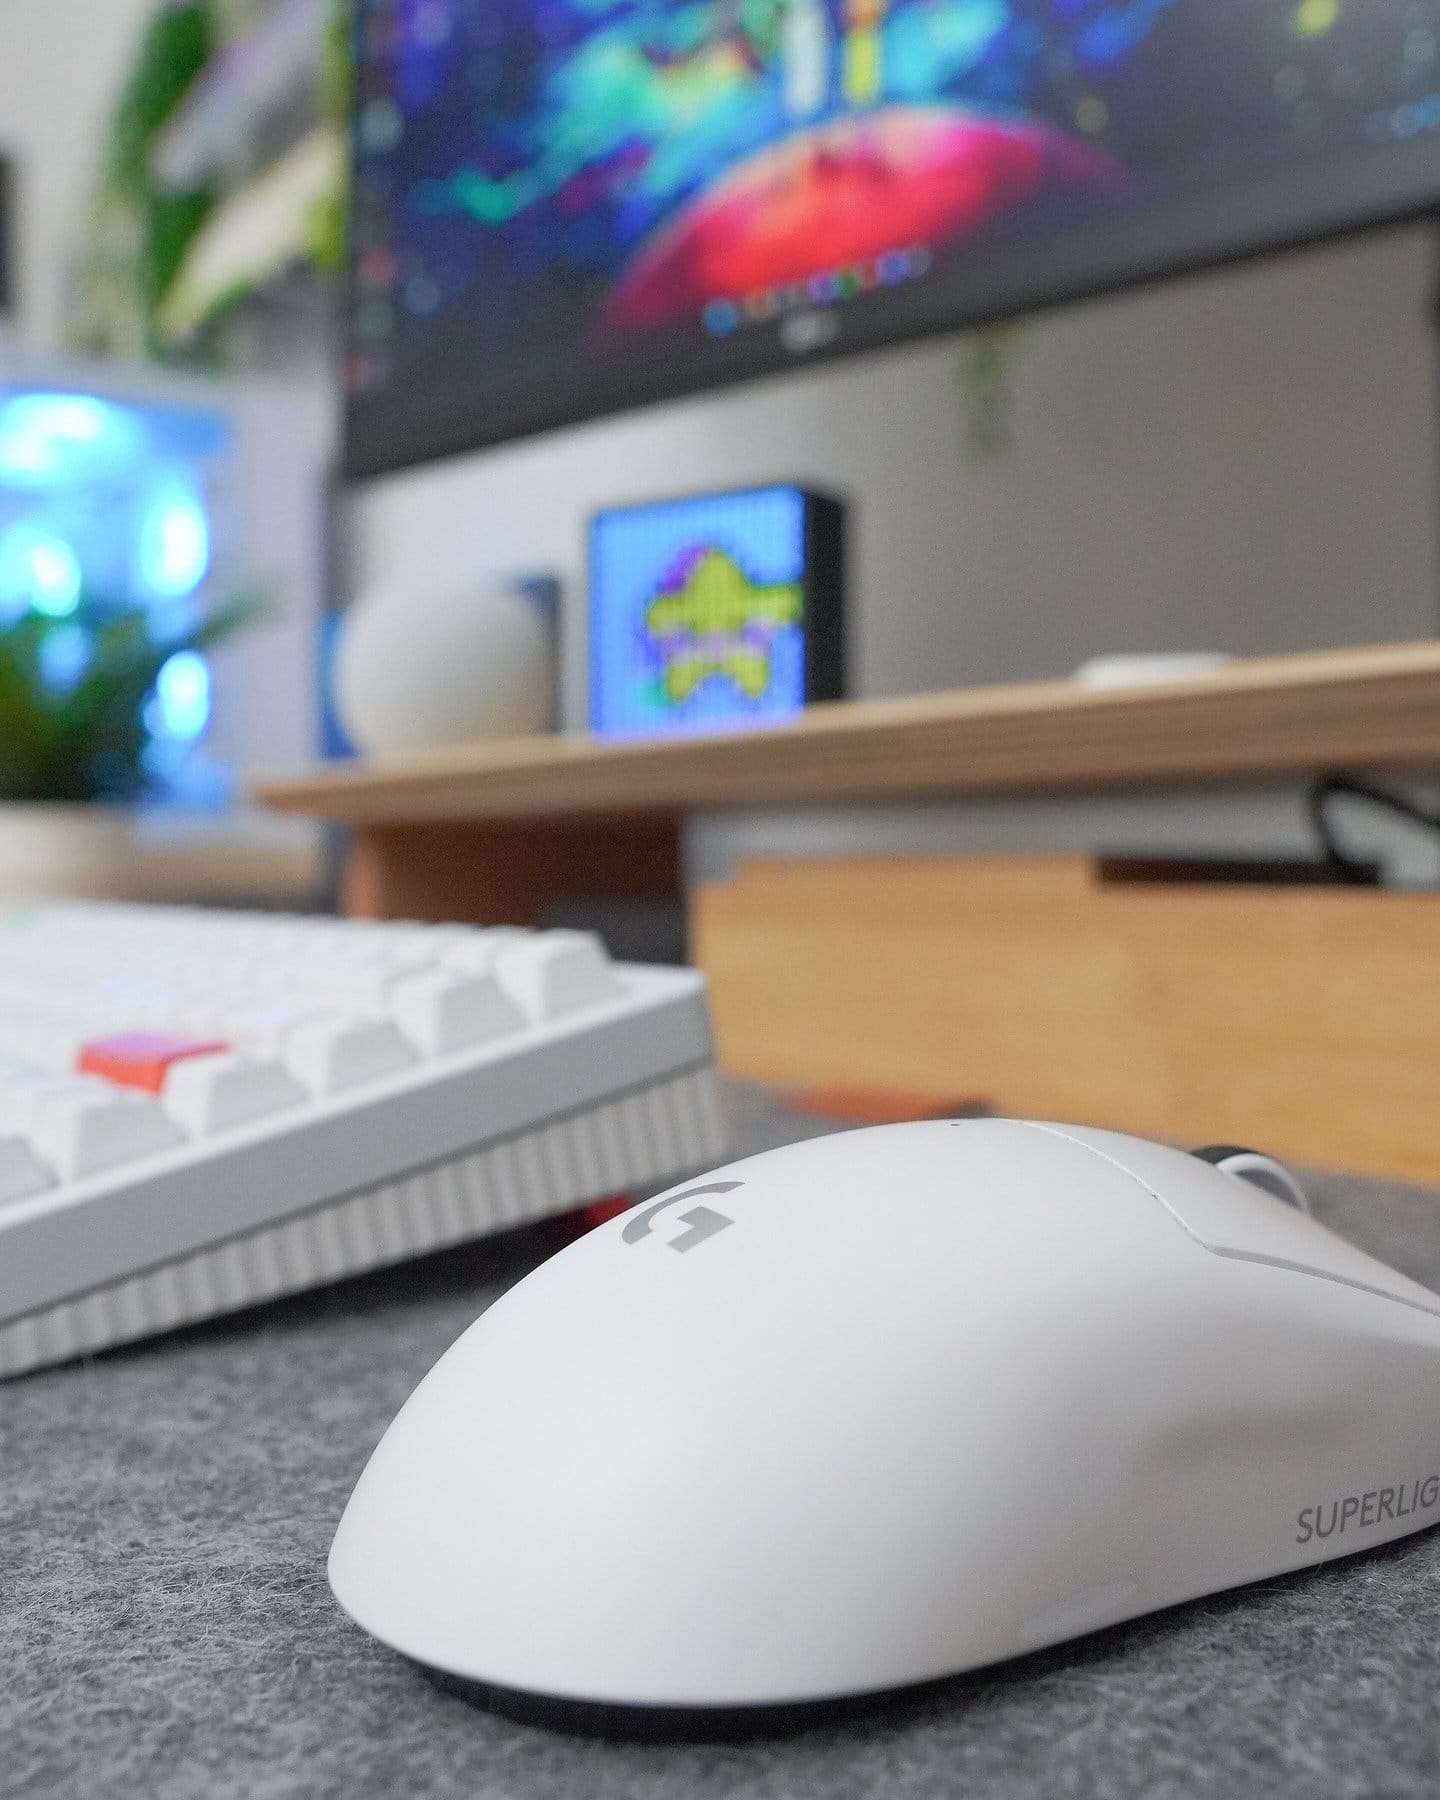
(173,1152)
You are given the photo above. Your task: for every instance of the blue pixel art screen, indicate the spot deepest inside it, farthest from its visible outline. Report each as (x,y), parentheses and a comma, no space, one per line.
(697,613)
(562,207)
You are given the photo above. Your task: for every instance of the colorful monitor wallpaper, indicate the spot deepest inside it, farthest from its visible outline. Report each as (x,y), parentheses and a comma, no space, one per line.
(567,190)
(697,613)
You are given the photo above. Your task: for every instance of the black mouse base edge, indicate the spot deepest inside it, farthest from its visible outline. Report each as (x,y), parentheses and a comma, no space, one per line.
(668,1724)
(721,1724)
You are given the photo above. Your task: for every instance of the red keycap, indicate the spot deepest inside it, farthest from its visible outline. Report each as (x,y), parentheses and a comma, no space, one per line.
(598,1212)
(139,1059)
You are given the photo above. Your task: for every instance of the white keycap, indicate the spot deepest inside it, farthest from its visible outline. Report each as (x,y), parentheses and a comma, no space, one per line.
(369,987)
(28,1084)
(139,999)
(444,1012)
(476,952)
(261,1031)
(84,1127)
(49,1041)
(206,1094)
(417,944)
(442,939)
(331,1054)
(21,1171)
(557,972)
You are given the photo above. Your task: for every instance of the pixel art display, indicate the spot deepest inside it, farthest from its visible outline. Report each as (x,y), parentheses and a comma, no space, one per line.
(562,203)
(698,613)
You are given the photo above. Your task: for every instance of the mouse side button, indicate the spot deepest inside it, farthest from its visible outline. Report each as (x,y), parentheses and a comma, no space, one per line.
(1233,1217)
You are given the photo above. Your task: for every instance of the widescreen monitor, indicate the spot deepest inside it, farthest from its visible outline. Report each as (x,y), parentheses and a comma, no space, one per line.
(567,207)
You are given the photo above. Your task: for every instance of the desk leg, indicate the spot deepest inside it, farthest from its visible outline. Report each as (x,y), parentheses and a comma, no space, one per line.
(507,872)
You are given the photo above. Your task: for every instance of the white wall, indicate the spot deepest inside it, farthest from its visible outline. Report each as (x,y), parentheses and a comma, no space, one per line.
(61,66)
(1245,461)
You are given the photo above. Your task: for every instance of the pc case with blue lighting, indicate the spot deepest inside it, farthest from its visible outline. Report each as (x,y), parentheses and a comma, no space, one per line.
(715,611)
(108,508)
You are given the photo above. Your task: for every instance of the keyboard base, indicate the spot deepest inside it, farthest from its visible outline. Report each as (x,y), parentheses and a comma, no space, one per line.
(667,1129)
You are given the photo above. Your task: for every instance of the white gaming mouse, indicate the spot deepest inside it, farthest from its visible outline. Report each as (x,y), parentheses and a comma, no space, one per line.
(886,1406)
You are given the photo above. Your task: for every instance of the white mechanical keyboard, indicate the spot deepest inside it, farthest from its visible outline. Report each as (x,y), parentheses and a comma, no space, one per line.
(200,1110)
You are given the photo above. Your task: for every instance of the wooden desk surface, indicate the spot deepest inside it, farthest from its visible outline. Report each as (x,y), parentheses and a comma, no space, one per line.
(1376,707)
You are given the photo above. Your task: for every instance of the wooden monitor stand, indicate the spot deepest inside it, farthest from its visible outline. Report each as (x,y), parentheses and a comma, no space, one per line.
(497,830)
(502,832)
(507,871)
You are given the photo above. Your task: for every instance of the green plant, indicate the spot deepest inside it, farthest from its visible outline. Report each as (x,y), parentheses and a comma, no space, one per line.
(329,219)
(984,364)
(73,696)
(166,258)
(139,230)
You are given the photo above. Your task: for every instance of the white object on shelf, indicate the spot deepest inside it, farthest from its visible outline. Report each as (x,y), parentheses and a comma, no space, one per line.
(82,852)
(1151,668)
(49,850)
(419,671)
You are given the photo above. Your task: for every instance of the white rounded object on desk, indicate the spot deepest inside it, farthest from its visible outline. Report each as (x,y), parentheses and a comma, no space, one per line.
(65,850)
(417,670)
(888,1406)
(1149,668)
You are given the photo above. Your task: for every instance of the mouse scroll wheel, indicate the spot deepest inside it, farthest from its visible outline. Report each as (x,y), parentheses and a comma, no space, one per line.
(1263,1172)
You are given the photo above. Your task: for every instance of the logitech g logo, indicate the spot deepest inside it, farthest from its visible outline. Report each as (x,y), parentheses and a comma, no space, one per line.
(704,1221)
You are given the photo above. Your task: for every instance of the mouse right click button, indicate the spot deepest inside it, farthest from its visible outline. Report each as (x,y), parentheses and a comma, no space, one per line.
(1231,1217)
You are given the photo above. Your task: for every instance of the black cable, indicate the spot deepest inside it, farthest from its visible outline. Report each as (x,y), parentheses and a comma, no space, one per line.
(1352,787)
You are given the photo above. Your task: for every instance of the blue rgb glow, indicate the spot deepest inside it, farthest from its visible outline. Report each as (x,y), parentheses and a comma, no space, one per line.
(180,709)
(105,518)
(46,439)
(54,578)
(64,657)
(38,569)
(174,544)
(103,501)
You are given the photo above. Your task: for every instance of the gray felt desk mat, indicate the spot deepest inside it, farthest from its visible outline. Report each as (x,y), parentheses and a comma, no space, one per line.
(167,1630)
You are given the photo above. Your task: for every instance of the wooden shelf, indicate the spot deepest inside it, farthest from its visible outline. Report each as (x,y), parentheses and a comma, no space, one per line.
(1377,707)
